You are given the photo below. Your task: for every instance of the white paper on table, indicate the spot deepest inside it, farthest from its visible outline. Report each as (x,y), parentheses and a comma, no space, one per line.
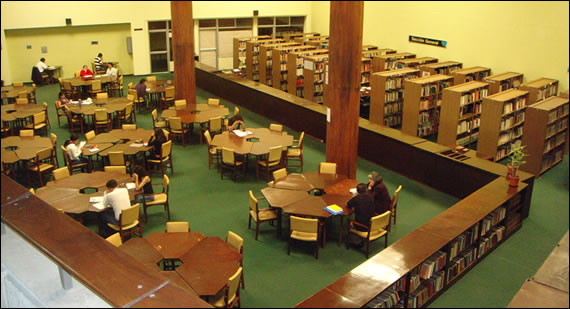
(353,191)
(94,149)
(73,102)
(96,199)
(145,144)
(136,145)
(147,89)
(241,133)
(87,102)
(130,185)
(99,205)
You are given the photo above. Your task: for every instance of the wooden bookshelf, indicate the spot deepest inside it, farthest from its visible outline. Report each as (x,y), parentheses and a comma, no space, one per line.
(460,113)
(292,36)
(323,43)
(469,74)
(265,61)
(239,49)
(252,57)
(365,71)
(504,81)
(422,101)
(564,94)
(388,62)
(387,93)
(541,89)
(314,77)
(444,68)
(414,62)
(279,64)
(295,84)
(502,120)
(545,134)
(377,52)
(309,39)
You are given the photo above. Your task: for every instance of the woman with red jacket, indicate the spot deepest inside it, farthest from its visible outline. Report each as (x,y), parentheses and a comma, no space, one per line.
(86,71)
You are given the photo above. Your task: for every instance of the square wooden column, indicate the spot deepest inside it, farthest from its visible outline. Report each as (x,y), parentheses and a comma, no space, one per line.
(183,50)
(343,98)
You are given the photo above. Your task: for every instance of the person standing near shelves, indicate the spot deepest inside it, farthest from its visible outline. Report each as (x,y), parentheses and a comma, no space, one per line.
(379,192)
(363,205)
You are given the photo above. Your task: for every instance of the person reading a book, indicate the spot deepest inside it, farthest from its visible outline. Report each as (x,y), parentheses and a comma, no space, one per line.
(143,182)
(74,151)
(85,71)
(379,192)
(156,140)
(363,205)
(62,99)
(236,122)
(116,200)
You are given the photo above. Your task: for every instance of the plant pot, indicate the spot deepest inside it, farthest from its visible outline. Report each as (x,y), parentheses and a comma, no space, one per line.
(512,170)
(513,181)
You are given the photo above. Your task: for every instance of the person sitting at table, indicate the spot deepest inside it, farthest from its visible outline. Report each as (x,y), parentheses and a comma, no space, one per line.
(363,205)
(42,66)
(141,88)
(379,192)
(99,62)
(85,71)
(236,122)
(111,72)
(74,151)
(62,99)
(116,200)
(143,182)
(156,140)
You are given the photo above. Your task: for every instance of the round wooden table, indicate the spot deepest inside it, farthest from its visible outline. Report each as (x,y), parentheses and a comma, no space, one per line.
(12,112)
(196,113)
(78,81)
(257,143)
(16,148)
(11,92)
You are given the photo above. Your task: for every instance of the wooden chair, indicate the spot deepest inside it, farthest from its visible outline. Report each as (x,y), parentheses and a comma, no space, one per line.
(102,95)
(23,95)
(127,115)
(32,191)
(159,198)
(139,102)
(168,97)
(129,127)
(115,239)
(18,84)
(176,128)
(166,134)
(165,157)
(75,122)
(177,227)
(280,173)
(276,127)
(26,133)
(32,96)
(6,130)
(60,81)
(214,126)
(230,162)
(43,163)
(116,158)
(260,215)
(295,153)
(60,111)
(38,122)
(236,242)
(71,92)
(82,167)
(77,74)
(21,101)
(231,296)
(270,162)
(61,173)
(131,86)
(394,205)
(116,169)
(213,151)
(47,115)
(327,168)
(128,222)
(155,122)
(95,87)
(89,136)
(117,87)
(304,229)
(102,120)
(214,102)
(179,104)
(379,226)
(53,139)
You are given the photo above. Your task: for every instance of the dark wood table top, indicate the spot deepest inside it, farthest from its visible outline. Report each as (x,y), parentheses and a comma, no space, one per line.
(12,92)
(178,281)
(126,148)
(281,197)
(198,113)
(54,194)
(11,112)
(26,142)
(174,245)
(211,249)
(311,206)
(296,182)
(86,151)
(244,145)
(112,105)
(78,81)
(158,86)
(171,296)
(141,250)
(89,180)
(240,145)
(208,278)
(342,187)
(322,181)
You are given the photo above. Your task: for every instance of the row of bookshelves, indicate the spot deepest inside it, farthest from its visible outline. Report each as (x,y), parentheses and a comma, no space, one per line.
(510,107)
(510,122)
(468,125)
(433,89)
(392,120)
(552,159)
(397,82)
(510,136)
(473,110)
(474,96)
(554,142)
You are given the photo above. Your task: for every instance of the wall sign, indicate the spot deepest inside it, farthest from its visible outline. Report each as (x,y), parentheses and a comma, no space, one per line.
(432,42)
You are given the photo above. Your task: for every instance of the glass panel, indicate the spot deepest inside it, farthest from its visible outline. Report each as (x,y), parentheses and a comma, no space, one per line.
(158,63)
(207,23)
(226,22)
(298,20)
(265,21)
(282,20)
(265,31)
(208,58)
(169,24)
(242,22)
(281,30)
(157,41)
(154,25)
(170,44)
(226,41)
(207,39)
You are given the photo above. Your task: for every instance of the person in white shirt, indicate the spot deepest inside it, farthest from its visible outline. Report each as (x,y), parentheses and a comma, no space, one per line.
(42,66)
(111,72)
(74,150)
(116,200)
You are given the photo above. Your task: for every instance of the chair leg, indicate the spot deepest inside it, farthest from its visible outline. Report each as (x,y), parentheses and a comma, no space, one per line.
(386,241)
(367,247)
(168,210)
(242,280)
(249,223)
(256,229)
(317,250)
(145,215)
(395,216)
(289,246)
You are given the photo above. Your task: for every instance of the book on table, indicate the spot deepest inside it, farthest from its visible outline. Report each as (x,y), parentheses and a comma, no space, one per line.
(334,209)
(130,185)
(241,133)
(353,191)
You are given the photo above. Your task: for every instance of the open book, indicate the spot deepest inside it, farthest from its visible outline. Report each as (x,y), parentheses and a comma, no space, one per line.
(130,185)
(353,191)
(241,133)
(81,144)
(98,202)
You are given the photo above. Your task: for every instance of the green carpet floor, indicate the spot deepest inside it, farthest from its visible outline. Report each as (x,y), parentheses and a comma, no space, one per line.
(274,279)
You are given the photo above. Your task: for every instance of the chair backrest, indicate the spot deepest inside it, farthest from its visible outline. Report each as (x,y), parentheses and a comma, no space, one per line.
(61,173)
(101,115)
(65,156)
(175,123)
(301,137)
(166,149)
(90,135)
(216,124)
(32,191)
(166,134)
(53,139)
(102,95)
(116,169)
(18,84)
(120,80)
(131,86)
(180,104)
(327,168)
(275,153)
(23,94)
(96,85)
(22,101)
(39,118)
(133,93)
(131,97)
(233,285)
(165,184)
(280,173)
(115,239)
(26,132)
(395,197)
(169,92)
(236,110)
(128,110)
(304,225)
(228,156)
(154,115)
(77,73)
(253,202)
(44,154)
(380,221)
(213,101)
(116,158)
(176,227)
(129,126)
(151,78)
(208,137)
(67,86)
(276,127)
(235,241)
(130,215)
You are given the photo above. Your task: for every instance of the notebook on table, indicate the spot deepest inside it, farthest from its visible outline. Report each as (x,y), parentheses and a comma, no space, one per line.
(334,209)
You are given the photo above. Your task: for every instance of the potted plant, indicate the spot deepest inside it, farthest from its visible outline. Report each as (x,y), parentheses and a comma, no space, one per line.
(516,157)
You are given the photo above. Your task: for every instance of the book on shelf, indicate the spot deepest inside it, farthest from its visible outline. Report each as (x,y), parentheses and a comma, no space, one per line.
(459,263)
(490,241)
(433,264)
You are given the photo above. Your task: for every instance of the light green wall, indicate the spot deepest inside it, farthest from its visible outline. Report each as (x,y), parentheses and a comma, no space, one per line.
(526,37)
(67,46)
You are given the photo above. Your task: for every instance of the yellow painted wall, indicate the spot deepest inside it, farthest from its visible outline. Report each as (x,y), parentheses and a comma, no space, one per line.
(527,37)
(67,46)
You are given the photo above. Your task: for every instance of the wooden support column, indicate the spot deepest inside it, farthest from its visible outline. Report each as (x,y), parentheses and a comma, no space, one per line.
(183,50)
(343,93)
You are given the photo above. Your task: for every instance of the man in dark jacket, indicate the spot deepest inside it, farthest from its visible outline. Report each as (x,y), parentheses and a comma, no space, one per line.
(37,76)
(377,188)
(363,205)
